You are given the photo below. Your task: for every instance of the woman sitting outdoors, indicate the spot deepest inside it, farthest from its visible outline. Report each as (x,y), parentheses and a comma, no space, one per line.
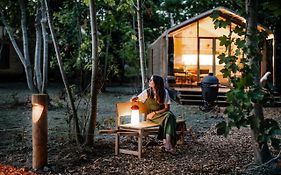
(157,100)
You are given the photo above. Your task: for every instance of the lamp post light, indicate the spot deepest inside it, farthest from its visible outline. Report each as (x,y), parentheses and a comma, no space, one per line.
(39,130)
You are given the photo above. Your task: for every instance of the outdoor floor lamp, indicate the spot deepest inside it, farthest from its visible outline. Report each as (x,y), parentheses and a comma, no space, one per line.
(39,130)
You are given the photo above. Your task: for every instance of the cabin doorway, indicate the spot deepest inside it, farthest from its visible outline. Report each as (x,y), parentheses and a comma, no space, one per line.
(207,63)
(197,60)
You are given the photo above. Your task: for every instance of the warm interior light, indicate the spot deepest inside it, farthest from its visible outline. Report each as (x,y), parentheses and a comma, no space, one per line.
(206,60)
(37,111)
(192,59)
(135,115)
(189,59)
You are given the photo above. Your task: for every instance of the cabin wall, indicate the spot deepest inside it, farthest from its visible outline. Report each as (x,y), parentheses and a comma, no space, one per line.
(263,65)
(157,58)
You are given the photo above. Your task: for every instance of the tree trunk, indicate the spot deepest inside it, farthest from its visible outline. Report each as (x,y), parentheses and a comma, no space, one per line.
(38,46)
(20,55)
(93,114)
(45,48)
(106,57)
(261,151)
(141,41)
(64,79)
(27,65)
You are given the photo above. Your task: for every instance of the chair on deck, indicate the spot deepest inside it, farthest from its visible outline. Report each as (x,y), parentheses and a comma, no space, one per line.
(139,130)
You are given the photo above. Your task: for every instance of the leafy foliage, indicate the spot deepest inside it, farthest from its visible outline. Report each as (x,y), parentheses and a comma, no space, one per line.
(245,91)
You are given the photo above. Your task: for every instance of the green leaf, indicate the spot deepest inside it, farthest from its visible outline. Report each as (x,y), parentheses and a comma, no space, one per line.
(254,122)
(224,40)
(222,128)
(276,132)
(270,123)
(87,2)
(239,30)
(225,73)
(275,143)
(240,43)
(261,139)
(215,14)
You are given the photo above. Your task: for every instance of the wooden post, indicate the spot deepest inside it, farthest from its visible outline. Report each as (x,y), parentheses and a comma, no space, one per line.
(39,130)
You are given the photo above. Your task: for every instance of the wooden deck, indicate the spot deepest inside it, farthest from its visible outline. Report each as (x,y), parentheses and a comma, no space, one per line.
(198,89)
(192,95)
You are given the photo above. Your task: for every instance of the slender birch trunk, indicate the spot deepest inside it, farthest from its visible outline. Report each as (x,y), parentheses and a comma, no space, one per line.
(64,79)
(141,41)
(45,48)
(38,46)
(93,110)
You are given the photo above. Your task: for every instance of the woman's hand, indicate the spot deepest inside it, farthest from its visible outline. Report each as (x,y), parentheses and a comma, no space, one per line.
(150,115)
(134,98)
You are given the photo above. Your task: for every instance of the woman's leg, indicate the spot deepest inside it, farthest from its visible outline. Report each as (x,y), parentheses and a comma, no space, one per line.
(168,143)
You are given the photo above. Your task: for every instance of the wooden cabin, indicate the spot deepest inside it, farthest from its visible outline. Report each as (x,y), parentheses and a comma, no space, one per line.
(187,52)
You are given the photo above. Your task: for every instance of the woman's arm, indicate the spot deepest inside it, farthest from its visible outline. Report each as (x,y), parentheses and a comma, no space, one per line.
(154,113)
(166,108)
(141,97)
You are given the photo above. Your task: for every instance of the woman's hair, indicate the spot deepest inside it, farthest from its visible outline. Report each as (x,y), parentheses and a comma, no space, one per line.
(159,87)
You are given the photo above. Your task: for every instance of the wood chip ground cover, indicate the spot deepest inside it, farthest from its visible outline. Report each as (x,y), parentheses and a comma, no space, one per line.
(202,153)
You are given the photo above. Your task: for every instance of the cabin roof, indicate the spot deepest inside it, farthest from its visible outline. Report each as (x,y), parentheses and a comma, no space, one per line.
(224,13)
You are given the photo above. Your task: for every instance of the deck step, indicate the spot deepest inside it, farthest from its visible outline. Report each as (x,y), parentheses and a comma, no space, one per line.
(200,102)
(194,97)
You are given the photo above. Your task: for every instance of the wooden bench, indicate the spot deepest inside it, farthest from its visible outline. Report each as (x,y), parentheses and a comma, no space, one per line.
(181,129)
(140,130)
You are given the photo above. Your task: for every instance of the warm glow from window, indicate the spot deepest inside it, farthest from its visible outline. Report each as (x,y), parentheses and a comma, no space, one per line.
(189,59)
(37,111)
(192,59)
(206,60)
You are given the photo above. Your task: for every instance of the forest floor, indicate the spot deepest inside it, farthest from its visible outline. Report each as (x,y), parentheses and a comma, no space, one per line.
(203,152)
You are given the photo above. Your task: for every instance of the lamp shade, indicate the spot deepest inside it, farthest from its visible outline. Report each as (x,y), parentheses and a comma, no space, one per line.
(135,115)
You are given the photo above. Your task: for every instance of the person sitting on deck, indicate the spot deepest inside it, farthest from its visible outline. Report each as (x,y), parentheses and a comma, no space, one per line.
(158,101)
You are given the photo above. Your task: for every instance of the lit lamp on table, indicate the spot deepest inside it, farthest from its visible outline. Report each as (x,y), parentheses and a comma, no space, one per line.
(135,115)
